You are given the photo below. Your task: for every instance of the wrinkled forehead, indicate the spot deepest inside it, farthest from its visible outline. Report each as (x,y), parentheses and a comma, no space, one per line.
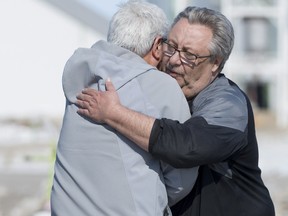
(194,36)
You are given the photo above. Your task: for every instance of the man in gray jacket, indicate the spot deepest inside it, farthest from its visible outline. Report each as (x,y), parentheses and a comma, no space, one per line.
(97,170)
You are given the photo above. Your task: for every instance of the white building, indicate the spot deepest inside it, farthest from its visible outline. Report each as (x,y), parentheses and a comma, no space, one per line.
(259,61)
(37,38)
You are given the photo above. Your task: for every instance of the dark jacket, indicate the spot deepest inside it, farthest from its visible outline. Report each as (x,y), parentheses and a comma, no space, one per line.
(220,138)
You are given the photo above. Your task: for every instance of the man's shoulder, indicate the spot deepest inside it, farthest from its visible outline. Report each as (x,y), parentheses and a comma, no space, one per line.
(222,103)
(161,85)
(165,95)
(222,89)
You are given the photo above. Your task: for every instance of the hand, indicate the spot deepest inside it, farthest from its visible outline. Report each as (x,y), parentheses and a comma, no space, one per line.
(98,105)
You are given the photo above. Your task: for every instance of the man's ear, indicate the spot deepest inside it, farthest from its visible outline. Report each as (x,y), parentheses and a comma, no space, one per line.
(157,48)
(216,65)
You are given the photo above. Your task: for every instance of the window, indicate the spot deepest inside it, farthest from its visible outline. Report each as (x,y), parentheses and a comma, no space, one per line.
(259,36)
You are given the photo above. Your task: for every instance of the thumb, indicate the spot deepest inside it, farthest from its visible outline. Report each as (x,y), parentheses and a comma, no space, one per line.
(109,85)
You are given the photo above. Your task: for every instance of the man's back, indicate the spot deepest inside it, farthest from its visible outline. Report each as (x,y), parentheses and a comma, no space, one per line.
(97,171)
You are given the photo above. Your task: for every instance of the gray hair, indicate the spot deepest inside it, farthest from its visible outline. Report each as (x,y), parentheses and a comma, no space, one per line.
(222,29)
(135,26)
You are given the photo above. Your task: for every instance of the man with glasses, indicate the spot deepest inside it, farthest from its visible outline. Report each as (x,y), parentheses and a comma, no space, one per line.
(220,135)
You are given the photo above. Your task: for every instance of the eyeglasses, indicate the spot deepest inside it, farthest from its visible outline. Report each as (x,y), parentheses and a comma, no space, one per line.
(185,56)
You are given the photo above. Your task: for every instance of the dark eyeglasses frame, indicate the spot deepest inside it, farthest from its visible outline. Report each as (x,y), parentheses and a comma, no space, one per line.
(182,58)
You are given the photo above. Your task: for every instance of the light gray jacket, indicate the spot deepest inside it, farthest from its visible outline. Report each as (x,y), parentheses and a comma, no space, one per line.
(97,170)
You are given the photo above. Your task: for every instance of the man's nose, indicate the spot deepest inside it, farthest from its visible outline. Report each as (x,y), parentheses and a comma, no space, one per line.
(175,58)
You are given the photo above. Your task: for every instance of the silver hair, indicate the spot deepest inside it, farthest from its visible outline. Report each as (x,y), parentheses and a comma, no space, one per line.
(135,26)
(223,33)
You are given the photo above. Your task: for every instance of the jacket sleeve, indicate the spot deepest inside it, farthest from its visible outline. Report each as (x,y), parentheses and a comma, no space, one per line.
(215,132)
(193,143)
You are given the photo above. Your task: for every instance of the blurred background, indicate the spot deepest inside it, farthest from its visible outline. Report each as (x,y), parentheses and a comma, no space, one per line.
(37,38)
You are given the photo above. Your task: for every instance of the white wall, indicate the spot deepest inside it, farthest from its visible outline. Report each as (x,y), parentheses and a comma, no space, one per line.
(35,42)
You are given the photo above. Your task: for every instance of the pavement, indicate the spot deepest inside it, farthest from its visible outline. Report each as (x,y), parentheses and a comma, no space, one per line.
(25,179)
(273,161)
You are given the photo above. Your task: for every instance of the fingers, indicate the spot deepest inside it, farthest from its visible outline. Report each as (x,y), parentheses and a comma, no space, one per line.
(86,98)
(82,104)
(109,85)
(84,112)
(87,94)
(83,97)
(84,107)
